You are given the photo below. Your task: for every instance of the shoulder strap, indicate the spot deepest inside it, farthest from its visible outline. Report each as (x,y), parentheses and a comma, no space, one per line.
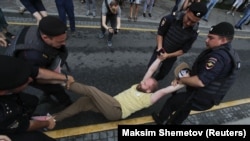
(18,40)
(234,56)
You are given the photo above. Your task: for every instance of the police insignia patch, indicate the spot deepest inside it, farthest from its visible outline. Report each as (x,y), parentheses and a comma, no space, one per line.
(163,22)
(198,14)
(210,63)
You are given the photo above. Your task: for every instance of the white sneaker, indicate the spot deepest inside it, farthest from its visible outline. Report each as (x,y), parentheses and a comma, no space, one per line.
(233,14)
(228,12)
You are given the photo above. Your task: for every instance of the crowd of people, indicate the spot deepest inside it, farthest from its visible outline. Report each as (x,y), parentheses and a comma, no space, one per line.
(38,63)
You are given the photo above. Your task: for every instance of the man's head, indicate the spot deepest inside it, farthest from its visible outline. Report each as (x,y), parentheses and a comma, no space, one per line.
(220,34)
(53,31)
(194,13)
(148,86)
(114,6)
(14,74)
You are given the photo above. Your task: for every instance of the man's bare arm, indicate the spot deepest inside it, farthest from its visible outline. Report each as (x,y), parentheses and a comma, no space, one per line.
(164,91)
(154,66)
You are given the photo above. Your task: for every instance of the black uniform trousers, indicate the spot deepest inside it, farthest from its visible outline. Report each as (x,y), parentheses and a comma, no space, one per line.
(165,67)
(178,101)
(56,90)
(178,107)
(30,136)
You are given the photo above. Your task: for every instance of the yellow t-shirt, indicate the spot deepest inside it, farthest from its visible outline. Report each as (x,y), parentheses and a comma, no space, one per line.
(132,100)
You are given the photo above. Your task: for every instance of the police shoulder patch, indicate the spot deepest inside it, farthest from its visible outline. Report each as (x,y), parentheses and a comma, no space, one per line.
(163,21)
(211,63)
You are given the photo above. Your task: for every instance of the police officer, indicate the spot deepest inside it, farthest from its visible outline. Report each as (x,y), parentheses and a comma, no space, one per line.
(176,34)
(43,46)
(212,74)
(17,107)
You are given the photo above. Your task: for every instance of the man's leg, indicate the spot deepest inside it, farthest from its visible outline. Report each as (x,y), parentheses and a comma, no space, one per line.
(80,105)
(95,100)
(61,13)
(71,15)
(173,104)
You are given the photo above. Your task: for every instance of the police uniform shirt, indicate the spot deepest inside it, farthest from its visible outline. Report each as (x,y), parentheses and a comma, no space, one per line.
(37,58)
(164,28)
(12,118)
(214,65)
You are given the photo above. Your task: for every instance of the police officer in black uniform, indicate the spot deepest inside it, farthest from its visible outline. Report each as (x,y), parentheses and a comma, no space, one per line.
(212,74)
(176,34)
(44,47)
(17,107)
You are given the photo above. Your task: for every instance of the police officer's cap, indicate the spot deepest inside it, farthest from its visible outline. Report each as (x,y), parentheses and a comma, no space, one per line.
(52,26)
(13,73)
(199,9)
(222,29)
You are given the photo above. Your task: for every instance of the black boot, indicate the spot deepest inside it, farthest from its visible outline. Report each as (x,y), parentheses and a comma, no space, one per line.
(157,119)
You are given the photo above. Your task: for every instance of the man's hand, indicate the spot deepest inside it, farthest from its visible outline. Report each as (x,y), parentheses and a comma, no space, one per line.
(4,138)
(110,30)
(162,54)
(52,121)
(175,82)
(178,81)
(3,42)
(70,81)
(39,122)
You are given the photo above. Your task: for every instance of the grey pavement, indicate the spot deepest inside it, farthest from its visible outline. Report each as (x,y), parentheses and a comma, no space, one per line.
(244,121)
(161,8)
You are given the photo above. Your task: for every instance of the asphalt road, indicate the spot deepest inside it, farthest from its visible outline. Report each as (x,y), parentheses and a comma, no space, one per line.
(93,63)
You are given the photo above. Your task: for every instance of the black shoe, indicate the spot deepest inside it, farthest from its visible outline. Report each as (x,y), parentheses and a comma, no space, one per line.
(237,27)
(149,14)
(144,15)
(156,118)
(247,23)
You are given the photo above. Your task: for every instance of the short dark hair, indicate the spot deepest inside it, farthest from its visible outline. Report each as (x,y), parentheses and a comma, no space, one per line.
(52,26)
(114,2)
(14,72)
